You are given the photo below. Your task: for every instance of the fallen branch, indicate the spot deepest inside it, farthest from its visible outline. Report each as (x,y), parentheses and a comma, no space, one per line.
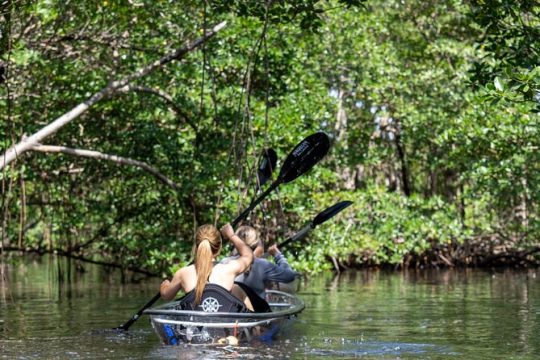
(98,155)
(445,260)
(336,264)
(28,142)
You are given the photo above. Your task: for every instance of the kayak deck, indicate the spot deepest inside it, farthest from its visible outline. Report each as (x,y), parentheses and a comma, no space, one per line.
(181,326)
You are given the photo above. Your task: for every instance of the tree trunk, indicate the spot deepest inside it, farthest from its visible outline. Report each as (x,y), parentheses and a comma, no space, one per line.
(22,220)
(346,173)
(403,162)
(524,202)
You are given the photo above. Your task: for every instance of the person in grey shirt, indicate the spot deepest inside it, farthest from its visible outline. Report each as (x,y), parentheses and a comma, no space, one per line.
(262,272)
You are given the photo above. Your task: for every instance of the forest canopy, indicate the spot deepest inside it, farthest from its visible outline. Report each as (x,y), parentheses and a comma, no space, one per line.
(433,108)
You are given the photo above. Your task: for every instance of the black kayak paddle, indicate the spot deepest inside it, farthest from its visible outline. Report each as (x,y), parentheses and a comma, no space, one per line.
(302,158)
(319,219)
(266,166)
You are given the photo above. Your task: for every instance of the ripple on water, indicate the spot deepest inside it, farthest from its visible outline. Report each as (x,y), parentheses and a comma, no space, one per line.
(207,352)
(378,349)
(304,348)
(105,344)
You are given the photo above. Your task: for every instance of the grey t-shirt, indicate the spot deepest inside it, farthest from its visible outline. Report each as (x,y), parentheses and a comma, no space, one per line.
(263,271)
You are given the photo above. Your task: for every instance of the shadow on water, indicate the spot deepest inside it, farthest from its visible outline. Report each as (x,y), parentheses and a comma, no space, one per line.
(52,309)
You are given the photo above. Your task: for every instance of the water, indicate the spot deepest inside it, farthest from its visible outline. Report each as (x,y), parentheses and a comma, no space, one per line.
(48,309)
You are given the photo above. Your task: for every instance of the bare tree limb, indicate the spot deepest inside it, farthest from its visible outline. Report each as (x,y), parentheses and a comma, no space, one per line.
(101,156)
(27,143)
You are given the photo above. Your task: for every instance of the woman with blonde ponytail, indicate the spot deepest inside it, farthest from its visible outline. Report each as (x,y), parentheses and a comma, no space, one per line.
(194,279)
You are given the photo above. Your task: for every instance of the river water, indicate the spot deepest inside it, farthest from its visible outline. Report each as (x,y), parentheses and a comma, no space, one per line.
(50,309)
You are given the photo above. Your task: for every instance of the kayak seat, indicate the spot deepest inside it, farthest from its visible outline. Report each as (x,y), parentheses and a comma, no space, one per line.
(259,304)
(214,298)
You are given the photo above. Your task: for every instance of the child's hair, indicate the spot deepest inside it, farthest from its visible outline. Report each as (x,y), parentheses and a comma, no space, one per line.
(248,235)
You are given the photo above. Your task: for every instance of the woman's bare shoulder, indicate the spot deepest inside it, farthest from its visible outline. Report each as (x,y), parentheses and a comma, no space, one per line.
(228,266)
(186,270)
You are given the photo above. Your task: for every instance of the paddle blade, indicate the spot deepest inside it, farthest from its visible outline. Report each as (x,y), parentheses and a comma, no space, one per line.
(304,156)
(266,166)
(330,212)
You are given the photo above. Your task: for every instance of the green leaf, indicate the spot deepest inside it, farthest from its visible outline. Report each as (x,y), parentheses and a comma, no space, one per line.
(498,85)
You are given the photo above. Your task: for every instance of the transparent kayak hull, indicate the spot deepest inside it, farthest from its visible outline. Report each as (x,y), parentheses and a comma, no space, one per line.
(180,326)
(290,287)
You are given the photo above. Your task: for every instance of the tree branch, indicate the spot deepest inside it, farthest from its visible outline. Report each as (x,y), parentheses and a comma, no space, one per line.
(101,156)
(28,143)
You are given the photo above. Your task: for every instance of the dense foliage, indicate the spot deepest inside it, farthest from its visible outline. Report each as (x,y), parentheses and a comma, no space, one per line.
(433,107)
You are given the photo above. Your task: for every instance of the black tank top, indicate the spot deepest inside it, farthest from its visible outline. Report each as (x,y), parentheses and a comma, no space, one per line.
(215,298)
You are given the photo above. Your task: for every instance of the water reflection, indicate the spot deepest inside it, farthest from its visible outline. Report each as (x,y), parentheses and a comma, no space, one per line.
(475,314)
(54,309)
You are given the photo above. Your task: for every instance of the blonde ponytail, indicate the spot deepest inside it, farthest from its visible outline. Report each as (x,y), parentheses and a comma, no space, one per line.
(208,244)
(203,267)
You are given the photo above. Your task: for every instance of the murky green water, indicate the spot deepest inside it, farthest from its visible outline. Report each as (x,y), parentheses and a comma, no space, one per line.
(50,310)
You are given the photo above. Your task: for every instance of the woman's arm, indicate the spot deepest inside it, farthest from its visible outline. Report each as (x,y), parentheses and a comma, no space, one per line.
(245,257)
(280,271)
(169,289)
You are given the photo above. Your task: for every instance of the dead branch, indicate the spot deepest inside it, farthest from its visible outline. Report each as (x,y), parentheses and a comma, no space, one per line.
(27,143)
(101,156)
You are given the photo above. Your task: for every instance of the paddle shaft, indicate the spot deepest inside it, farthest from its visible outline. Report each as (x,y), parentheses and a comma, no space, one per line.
(255,202)
(139,313)
(322,217)
(300,234)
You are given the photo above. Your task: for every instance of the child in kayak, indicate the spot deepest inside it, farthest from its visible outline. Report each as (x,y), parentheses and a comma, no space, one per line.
(205,274)
(255,280)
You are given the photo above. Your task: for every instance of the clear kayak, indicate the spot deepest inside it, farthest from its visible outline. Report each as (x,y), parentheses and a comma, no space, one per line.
(183,326)
(290,287)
